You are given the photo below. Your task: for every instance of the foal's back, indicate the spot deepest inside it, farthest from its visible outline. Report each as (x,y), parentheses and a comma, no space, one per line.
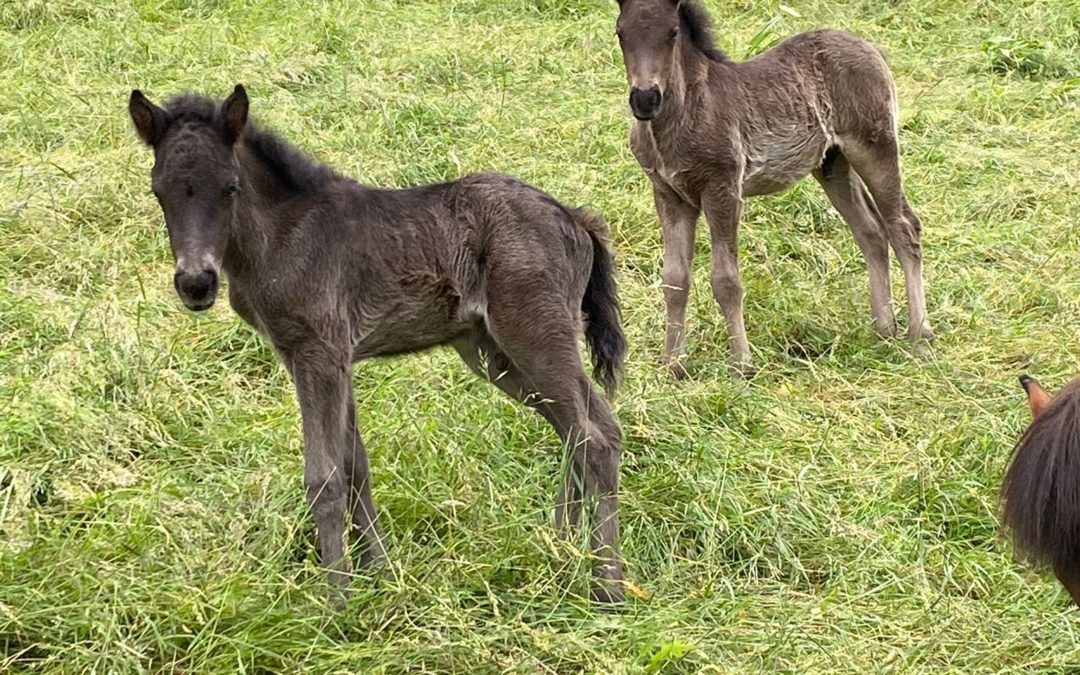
(413,264)
(848,72)
(801,97)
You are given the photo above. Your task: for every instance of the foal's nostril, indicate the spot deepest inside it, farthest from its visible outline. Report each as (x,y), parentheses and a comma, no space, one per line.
(645,102)
(196,287)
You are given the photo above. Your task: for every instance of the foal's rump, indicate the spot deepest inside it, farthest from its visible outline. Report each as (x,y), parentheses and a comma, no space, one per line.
(844,80)
(524,237)
(546,261)
(860,89)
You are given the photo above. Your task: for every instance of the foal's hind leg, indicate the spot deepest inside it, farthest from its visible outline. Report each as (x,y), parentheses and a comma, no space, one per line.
(879,166)
(550,362)
(568,505)
(484,357)
(845,192)
(365,521)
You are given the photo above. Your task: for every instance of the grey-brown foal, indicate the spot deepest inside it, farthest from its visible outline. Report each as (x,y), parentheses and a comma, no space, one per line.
(711,131)
(331,272)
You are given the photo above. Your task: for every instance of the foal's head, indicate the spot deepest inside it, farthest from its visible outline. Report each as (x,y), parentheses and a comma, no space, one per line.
(647,31)
(649,35)
(195,179)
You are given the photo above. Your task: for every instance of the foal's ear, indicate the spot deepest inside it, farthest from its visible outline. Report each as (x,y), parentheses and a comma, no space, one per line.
(235,112)
(149,119)
(1038,399)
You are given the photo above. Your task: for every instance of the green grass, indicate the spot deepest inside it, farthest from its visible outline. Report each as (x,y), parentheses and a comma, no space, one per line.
(835,514)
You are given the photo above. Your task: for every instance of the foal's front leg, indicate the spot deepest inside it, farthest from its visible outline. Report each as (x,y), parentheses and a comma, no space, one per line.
(365,521)
(322,385)
(679,221)
(723,207)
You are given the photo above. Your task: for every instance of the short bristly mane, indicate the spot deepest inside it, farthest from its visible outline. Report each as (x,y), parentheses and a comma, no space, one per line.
(698,27)
(288,164)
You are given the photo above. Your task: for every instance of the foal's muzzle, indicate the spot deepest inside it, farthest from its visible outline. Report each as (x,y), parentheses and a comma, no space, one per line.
(197,288)
(645,103)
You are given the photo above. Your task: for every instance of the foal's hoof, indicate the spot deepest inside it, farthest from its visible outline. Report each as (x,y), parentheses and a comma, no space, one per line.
(338,596)
(922,343)
(922,333)
(742,370)
(678,370)
(886,330)
(609,593)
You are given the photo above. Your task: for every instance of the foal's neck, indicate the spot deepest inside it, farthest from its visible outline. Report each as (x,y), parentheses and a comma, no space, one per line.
(253,223)
(689,68)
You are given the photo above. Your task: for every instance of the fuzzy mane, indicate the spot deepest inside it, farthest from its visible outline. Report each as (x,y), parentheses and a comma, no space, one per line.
(698,27)
(288,164)
(1041,491)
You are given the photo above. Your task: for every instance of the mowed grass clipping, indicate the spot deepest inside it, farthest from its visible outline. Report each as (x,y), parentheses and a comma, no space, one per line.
(834,514)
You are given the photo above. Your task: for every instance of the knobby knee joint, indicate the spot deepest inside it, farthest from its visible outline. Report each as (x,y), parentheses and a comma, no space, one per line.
(912,248)
(676,278)
(726,285)
(325,490)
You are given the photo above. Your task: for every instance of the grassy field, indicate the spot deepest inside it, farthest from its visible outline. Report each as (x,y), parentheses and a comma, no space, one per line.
(834,514)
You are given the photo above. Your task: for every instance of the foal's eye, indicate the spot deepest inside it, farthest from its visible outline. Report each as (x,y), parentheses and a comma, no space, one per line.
(231,188)
(674,32)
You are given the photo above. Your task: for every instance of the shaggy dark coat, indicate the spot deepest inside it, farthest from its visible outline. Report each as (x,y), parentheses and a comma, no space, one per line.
(331,271)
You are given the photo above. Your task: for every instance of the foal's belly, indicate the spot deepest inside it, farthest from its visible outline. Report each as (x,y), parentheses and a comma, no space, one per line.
(428,313)
(389,336)
(775,163)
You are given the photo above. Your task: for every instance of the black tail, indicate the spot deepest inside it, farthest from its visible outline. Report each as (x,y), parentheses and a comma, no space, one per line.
(603,327)
(1041,492)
